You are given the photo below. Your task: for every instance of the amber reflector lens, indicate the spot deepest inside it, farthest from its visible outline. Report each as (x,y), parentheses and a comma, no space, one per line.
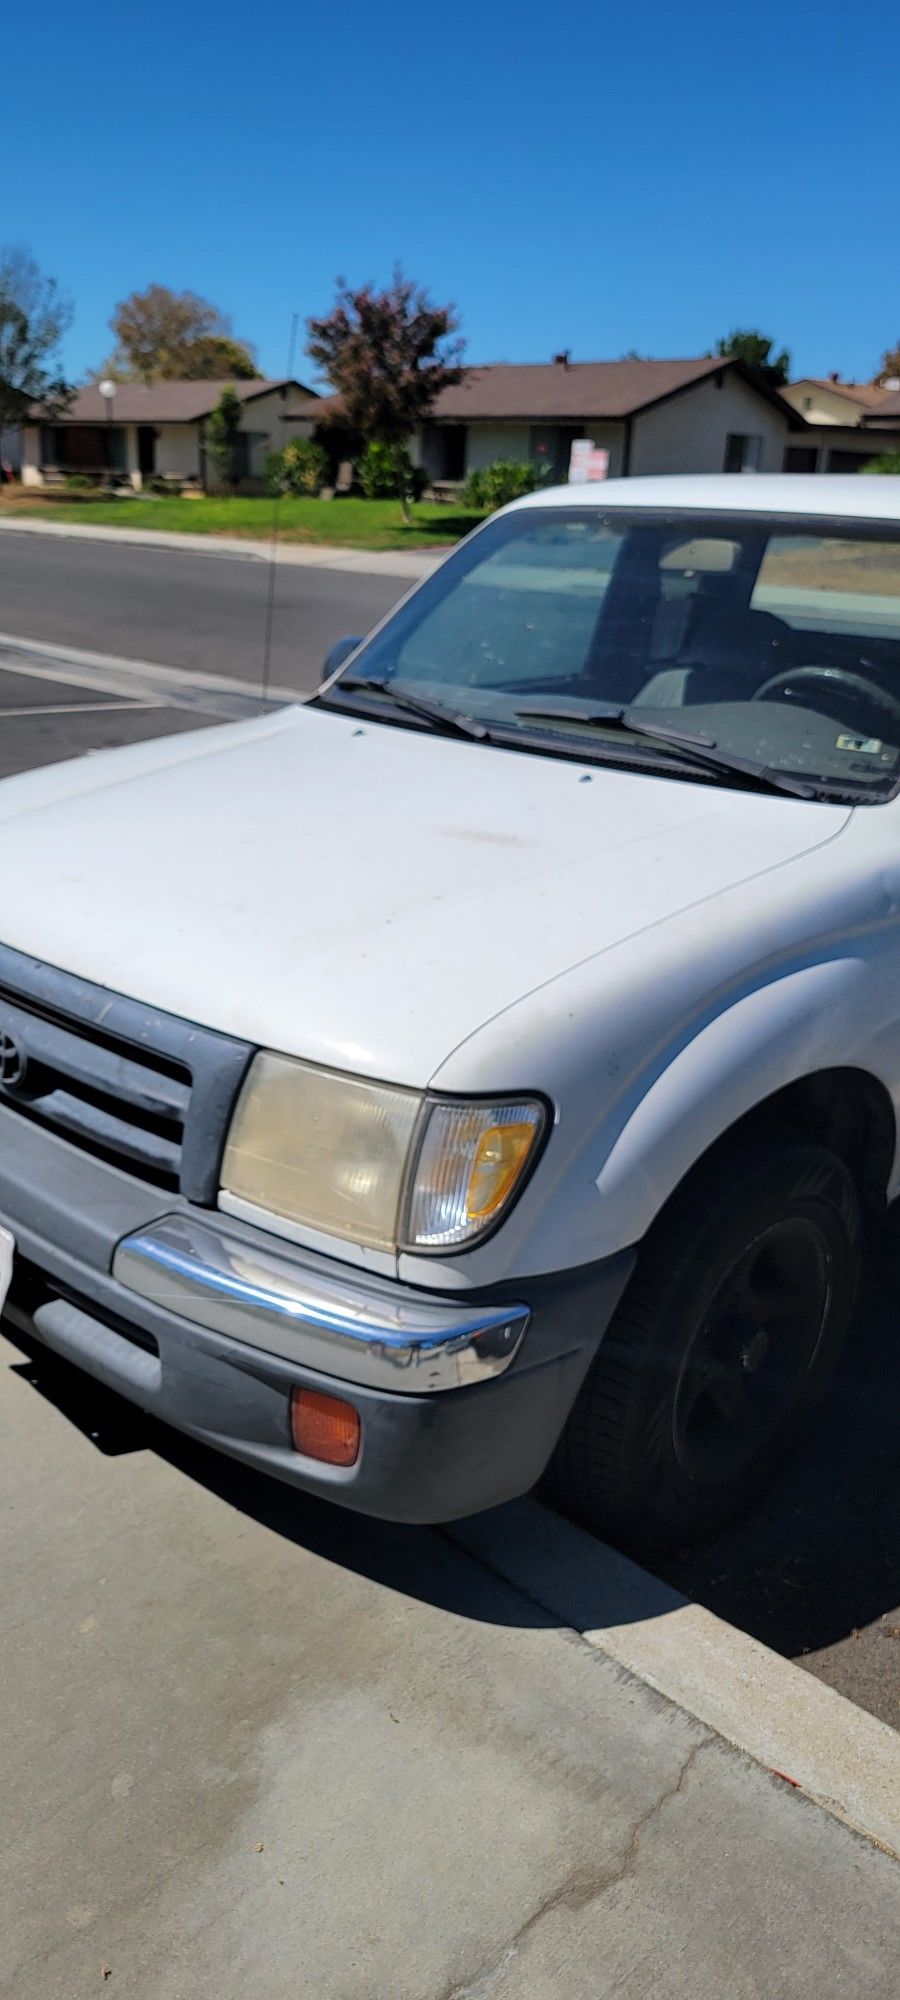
(325,1428)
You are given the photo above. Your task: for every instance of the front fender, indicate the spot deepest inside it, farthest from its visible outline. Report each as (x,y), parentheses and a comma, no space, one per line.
(639,1107)
(832,1014)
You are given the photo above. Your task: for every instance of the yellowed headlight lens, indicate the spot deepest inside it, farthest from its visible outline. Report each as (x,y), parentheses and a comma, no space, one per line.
(471,1160)
(323,1150)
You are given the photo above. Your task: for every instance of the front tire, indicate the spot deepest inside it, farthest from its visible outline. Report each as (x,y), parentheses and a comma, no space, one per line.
(725,1339)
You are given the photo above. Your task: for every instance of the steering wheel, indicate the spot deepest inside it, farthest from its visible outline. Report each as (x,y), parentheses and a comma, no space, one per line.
(838,681)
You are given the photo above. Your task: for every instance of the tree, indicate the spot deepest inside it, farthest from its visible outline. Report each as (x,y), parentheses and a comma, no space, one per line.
(166,336)
(756,353)
(34,316)
(218,358)
(219,435)
(388,354)
(890,367)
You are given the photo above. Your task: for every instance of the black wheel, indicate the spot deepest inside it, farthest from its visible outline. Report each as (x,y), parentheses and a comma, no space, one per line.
(724,1340)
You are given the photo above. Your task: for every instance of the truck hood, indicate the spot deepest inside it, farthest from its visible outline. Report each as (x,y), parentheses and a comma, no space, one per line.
(360,894)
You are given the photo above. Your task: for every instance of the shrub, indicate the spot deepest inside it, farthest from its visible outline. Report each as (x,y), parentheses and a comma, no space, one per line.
(158,483)
(888,461)
(219,434)
(507,479)
(302,467)
(79,482)
(377,472)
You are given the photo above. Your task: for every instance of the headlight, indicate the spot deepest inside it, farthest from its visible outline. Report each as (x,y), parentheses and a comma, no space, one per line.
(470,1162)
(379,1166)
(325,1150)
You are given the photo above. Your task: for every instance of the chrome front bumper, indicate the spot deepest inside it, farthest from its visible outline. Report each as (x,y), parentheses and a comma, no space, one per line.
(357,1327)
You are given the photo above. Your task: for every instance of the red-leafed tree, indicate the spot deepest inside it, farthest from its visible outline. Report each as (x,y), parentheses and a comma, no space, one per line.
(388,355)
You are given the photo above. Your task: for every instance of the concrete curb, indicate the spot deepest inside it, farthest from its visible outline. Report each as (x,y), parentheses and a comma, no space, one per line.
(846,1760)
(413,563)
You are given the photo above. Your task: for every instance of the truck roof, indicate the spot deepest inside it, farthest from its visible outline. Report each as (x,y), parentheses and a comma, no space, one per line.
(854,497)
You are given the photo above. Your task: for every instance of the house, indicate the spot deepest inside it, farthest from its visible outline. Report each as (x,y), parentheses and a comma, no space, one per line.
(156,429)
(706,415)
(845,424)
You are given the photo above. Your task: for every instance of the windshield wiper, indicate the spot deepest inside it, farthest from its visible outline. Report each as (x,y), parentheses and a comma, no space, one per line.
(450,720)
(694,748)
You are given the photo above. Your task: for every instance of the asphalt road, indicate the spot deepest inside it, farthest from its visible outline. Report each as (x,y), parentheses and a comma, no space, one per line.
(195,612)
(816,1573)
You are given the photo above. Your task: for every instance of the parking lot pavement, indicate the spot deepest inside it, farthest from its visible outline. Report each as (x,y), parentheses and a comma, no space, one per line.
(45,723)
(254,1746)
(52,708)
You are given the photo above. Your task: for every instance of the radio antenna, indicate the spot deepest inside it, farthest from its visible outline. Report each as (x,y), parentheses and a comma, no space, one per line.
(273,552)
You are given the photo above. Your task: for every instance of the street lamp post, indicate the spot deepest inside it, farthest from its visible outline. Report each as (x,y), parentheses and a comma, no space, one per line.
(108,392)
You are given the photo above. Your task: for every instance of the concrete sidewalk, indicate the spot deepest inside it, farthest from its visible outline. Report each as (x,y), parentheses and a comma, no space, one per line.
(412,563)
(254,1746)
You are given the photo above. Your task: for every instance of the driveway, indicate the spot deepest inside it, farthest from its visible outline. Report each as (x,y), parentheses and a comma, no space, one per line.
(254,1746)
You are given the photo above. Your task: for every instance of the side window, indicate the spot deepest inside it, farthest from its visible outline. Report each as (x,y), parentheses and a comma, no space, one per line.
(832,584)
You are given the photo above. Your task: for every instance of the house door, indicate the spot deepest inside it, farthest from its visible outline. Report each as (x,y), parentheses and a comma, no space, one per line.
(549,446)
(146,444)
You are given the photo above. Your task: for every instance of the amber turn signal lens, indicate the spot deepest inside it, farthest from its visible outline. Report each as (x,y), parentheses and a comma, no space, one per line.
(325,1428)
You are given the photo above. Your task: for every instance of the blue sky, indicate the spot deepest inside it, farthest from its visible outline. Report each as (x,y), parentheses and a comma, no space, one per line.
(599,177)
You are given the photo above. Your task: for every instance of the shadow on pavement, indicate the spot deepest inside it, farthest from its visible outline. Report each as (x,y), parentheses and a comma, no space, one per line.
(821,1558)
(818,1561)
(401,1558)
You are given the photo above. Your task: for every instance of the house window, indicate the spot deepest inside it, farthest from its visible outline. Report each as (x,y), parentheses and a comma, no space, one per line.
(743,452)
(849,461)
(800,458)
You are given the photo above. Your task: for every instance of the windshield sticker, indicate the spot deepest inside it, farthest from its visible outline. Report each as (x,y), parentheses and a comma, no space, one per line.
(861,746)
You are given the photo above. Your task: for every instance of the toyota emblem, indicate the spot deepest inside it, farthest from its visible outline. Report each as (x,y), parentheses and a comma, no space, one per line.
(13,1062)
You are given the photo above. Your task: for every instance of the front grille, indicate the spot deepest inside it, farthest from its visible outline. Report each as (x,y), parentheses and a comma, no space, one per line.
(118,1102)
(141,1090)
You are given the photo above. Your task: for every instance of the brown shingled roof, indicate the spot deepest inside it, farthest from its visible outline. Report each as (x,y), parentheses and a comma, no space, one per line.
(551,392)
(558,392)
(885,411)
(867,394)
(162,402)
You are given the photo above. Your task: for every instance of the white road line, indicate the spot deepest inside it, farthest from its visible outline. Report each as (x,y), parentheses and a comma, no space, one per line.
(79,707)
(140,680)
(777,1713)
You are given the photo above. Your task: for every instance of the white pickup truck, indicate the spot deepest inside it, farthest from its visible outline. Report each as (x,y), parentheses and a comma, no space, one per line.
(487,1065)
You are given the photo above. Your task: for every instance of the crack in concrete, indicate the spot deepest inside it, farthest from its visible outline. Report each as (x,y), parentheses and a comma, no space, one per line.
(579,1890)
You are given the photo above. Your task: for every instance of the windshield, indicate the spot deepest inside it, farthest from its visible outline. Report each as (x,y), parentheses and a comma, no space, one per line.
(774,641)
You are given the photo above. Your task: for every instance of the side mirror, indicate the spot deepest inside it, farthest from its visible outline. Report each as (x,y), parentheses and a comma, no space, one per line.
(338,653)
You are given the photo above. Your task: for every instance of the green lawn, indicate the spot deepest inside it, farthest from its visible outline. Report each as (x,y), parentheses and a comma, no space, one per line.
(352,524)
